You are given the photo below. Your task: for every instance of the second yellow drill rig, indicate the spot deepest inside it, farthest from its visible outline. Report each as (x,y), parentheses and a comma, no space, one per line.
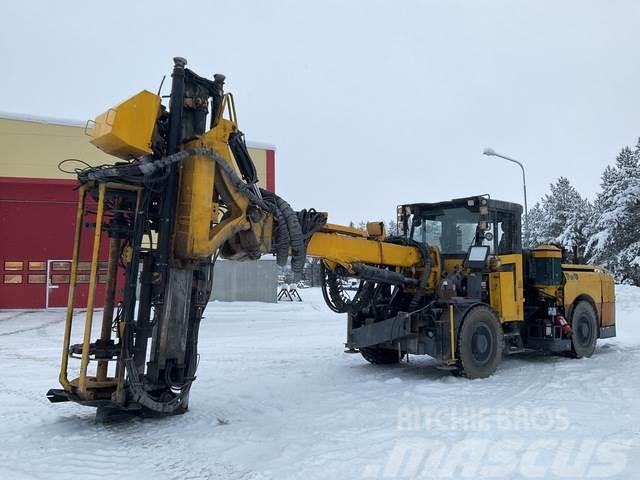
(455,284)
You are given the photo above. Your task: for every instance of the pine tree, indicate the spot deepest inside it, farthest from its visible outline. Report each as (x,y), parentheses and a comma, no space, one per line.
(562,217)
(560,206)
(392,228)
(598,247)
(616,239)
(535,219)
(577,231)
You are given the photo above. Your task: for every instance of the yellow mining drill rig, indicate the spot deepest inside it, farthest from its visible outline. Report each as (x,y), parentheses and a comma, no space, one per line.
(454,284)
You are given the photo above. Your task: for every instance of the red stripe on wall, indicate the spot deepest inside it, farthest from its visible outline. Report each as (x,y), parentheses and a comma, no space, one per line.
(38,190)
(271,170)
(31,181)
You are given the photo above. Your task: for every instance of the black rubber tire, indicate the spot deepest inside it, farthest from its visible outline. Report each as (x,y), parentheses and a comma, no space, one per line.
(584,330)
(480,343)
(381,356)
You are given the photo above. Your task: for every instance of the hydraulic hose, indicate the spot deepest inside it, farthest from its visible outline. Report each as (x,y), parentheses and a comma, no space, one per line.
(426,261)
(293,228)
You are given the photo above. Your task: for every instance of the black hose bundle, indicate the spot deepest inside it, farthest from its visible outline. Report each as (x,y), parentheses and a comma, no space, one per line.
(238,147)
(293,229)
(336,298)
(426,261)
(288,233)
(311,221)
(282,238)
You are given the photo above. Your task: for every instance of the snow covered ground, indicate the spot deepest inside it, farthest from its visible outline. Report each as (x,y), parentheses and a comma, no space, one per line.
(276,398)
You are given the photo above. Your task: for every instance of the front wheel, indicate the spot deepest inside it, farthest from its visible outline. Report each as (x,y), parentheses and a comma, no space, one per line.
(480,343)
(381,356)
(584,330)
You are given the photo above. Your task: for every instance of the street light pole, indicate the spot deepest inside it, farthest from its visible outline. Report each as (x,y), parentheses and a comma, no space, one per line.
(492,153)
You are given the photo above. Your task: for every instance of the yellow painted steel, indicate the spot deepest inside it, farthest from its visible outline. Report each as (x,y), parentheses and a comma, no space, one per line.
(201,229)
(345,250)
(582,283)
(594,284)
(228,104)
(450,264)
(354,232)
(125,131)
(195,208)
(546,251)
(198,232)
(585,268)
(64,363)
(550,291)
(506,289)
(376,230)
(452,336)
(608,316)
(93,280)
(85,386)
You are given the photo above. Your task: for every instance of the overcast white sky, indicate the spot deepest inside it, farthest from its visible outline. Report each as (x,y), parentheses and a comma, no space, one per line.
(370,103)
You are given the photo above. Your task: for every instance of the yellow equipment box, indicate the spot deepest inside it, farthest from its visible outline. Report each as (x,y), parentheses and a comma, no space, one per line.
(125,131)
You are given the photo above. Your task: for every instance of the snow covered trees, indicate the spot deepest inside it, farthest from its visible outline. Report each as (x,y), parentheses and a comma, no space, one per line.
(616,238)
(606,232)
(563,217)
(391,226)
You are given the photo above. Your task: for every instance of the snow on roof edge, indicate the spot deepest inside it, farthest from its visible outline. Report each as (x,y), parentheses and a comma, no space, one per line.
(260,145)
(24,117)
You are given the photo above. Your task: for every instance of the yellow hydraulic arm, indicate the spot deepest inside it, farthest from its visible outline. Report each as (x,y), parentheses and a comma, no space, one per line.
(249,227)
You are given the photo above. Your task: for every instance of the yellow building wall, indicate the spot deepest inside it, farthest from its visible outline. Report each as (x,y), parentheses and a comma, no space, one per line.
(259,158)
(33,149)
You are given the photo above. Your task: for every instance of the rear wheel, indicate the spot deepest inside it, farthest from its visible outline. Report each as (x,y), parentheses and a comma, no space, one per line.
(381,356)
(584,330)
(480,343)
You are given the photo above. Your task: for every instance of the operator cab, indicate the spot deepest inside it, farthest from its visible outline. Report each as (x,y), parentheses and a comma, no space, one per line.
(457,225)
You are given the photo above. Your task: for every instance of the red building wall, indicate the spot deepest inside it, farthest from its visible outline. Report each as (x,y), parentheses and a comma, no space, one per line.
(37,225)
(37,222)
(38,209)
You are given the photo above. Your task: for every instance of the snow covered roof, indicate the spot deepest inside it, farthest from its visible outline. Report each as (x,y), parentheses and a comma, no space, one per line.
(23,117)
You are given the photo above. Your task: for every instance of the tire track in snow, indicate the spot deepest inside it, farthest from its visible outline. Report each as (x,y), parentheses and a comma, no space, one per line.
(41,326)
(16,314)
(29,329)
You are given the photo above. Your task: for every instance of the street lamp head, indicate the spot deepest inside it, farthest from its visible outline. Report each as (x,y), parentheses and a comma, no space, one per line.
(489,151)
